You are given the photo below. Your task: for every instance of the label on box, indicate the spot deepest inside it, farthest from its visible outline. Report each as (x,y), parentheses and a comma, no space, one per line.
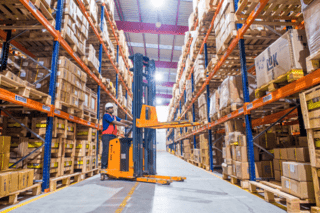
(25,64)
(71,117)
(287,184)
(23,74)
(292,168)
(38,85)
(41,62)
(58,73)
(249,106)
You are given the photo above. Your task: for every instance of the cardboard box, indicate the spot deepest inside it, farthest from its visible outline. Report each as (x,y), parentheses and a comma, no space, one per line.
(277,164)
(303,141)
(303,190)
(234,153)
(242,170)
(281,154)
(226,152)
(300,154)
(4,161)
(277,175)
(23,179)
(297,171)
(241,152)
(264,169)
(4,184)
(5,144)
(282,56)
(13,181)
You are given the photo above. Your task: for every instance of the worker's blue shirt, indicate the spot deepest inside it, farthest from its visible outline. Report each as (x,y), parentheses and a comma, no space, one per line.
(107,119)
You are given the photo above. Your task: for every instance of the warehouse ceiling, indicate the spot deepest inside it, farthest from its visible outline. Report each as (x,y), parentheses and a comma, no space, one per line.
(156,29)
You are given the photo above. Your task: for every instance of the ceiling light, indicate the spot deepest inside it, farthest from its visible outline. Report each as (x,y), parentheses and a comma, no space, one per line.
(157,3)
(158,77)
(159,101)
(158,24)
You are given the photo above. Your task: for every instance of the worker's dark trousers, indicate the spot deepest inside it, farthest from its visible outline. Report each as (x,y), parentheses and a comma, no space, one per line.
(105,144)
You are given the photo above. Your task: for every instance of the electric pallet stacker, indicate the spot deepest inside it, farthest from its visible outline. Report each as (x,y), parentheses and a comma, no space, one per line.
(135,158)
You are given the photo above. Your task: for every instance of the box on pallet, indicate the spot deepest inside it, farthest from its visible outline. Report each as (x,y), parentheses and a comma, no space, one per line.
(231,91)
(4,152)
(303,190)
(214,105)
(284,56)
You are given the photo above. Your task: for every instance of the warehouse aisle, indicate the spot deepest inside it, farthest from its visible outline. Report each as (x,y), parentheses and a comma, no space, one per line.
(201,192)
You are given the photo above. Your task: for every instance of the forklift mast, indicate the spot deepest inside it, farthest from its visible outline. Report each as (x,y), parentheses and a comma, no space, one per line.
(144,92)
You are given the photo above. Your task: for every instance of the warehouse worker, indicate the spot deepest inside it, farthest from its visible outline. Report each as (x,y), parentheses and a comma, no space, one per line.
(110,123)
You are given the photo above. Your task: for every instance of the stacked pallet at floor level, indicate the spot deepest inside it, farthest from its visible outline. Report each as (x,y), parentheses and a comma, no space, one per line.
(205,152)
(85,154)
(187,149)
(310,109)
(14,181)
(236,158)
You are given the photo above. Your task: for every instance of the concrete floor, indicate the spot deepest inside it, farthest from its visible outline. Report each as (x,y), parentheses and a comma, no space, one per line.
(201,192)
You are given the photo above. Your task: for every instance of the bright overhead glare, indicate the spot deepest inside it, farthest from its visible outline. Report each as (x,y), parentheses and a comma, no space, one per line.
(158,77)
(159,101)
(157,3)
(158,24)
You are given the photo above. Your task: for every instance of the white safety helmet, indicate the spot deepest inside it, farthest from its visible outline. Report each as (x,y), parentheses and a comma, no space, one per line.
(108,105)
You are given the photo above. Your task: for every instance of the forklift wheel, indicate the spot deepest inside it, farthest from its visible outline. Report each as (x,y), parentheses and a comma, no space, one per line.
(102,177)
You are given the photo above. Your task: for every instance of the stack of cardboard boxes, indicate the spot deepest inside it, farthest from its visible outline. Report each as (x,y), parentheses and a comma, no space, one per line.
(11,180)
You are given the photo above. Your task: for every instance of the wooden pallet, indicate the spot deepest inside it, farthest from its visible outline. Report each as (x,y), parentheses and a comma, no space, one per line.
(271,191)
(313,61)
(65,107)
(233,107)
(89,116)
(234,180)
(272,14)
(310,107)
(64,181)
(12,198)
(280,81)
(90,173)
(20,88)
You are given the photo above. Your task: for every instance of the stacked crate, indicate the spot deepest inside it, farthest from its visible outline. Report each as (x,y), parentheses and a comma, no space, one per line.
(18,136)
(187,149)
(214,105)
(202,108)
(93,61)
(5,146)
(75,27)
(225,26)
(86,149)
(62,147)
(310,110)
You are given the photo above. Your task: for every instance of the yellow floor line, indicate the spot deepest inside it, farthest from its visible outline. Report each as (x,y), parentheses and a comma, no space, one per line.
(124,202)
(36,198)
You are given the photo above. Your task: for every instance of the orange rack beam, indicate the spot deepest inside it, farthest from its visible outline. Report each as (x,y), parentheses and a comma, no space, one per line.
(234,43)
(29,103)
(257,122)
(285,91)
(200,51)
(57,36)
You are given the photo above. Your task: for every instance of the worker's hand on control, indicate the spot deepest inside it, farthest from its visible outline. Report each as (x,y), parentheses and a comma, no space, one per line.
(127,126)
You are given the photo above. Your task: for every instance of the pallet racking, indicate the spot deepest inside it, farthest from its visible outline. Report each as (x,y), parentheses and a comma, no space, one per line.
(248,13)
(44,19)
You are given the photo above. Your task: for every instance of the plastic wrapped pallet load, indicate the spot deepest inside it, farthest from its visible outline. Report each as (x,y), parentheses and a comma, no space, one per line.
(214,104)
(286,54)
(231,90)
(312,25)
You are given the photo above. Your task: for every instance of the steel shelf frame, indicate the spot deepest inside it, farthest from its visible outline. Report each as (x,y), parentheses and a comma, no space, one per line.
(283,92)
(57,37)
(50,109)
